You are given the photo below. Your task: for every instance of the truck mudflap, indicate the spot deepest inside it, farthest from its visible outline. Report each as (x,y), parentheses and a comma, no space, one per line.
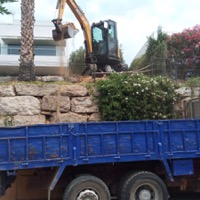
(6,179)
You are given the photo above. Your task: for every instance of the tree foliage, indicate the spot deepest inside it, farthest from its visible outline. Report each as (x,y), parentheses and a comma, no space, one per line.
(139,63)
(3,9)
(156,49)
(177,55)
(136,97)
(121,54)
(77,61)
(185,45)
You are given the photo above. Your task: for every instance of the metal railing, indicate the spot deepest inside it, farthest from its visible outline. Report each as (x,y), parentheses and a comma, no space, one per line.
(177,69)
(36,63)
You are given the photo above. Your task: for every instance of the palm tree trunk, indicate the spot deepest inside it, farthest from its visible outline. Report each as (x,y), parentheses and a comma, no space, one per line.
(26,68)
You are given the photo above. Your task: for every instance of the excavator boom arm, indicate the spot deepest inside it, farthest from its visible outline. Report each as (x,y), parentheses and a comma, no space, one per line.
(80,17)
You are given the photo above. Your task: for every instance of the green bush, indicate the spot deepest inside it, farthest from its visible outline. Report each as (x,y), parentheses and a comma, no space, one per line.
(136,97)
(193,82)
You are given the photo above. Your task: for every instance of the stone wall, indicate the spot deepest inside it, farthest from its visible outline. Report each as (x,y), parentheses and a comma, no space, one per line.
(46,103)
(27,104)
(190,104)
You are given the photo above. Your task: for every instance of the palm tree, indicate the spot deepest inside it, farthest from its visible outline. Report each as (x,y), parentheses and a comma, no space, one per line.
(26,68)
(4,10)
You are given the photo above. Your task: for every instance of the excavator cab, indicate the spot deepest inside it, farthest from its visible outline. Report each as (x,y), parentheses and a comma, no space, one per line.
(105,43)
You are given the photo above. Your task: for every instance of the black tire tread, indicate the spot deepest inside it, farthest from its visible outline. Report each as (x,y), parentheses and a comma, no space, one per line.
(142,174)
(81,179)
(121,183)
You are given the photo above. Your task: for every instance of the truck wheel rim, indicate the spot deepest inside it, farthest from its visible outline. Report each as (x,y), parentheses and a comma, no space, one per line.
(87,195)
(145,192)
(145,195)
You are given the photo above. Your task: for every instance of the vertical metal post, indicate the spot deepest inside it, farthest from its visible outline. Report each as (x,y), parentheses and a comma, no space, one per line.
(56,179)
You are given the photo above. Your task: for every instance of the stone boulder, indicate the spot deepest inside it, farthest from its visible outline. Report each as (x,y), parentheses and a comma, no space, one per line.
(22,120)
(35,90)
(24,105)
(29,120)
(94,117)
(184,91)
(7,91)
(83,105)
(6,121)
(55,103)
(196,91)
(68,117)
(49,78)
(73,91)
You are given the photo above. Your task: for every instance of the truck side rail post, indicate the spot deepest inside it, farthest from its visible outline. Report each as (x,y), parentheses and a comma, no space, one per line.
(161,151)
(56,179)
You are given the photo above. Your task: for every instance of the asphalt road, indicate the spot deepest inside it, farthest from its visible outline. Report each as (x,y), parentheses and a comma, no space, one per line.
(185,196)
(177,196)
(182,196)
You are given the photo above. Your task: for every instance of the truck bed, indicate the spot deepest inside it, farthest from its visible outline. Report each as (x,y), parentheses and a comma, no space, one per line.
(37,146)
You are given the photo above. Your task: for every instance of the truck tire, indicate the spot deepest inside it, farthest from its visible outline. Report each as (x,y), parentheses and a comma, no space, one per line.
(86,187)
(143,186)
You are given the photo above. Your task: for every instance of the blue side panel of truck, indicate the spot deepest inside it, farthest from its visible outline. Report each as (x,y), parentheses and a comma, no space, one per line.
(74,144)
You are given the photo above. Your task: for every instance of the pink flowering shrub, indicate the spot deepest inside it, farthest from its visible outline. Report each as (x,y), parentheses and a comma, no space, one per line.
(185,45)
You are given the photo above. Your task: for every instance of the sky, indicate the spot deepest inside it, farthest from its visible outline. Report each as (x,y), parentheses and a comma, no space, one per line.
(136,19)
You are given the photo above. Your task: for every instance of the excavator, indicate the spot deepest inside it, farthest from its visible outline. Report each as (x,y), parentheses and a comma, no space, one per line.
(102,53)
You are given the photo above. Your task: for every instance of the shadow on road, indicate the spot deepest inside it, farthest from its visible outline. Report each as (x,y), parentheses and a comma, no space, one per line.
(185,196)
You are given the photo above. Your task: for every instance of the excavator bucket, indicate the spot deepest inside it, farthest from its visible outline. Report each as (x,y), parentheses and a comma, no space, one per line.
(66,32)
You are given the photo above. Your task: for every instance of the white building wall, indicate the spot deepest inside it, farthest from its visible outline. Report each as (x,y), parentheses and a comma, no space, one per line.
(42,36)
(142,51)
(42,29)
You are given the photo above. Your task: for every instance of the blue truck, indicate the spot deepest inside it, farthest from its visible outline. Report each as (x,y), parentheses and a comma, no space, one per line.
(129,160)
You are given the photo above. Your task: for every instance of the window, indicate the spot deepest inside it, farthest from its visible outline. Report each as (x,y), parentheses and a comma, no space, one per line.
(45,50)
(13,49)
(38,50)
(111,31)
(97,34)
